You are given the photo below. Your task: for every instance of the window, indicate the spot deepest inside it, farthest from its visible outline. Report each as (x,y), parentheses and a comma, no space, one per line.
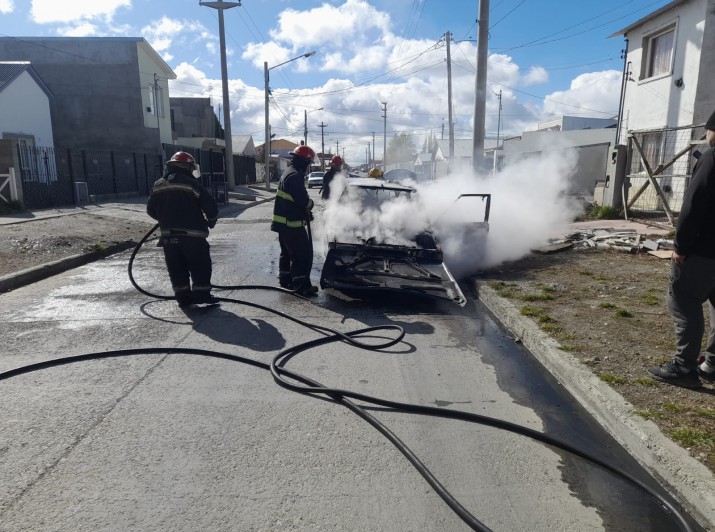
(658,49)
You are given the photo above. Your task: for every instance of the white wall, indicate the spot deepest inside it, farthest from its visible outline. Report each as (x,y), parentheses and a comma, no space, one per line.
(25,109)
(147,67)
(657,102)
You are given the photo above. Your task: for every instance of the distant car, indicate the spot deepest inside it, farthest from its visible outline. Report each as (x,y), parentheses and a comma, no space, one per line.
(315,179)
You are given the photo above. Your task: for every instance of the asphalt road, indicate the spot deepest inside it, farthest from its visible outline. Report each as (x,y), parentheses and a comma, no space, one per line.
(186,442)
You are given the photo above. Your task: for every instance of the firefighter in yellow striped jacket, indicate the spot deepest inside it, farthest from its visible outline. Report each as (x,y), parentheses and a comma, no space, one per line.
(291,213)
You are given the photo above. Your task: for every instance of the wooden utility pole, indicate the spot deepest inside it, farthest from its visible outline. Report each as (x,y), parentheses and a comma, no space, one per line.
(448,38)
(384,137)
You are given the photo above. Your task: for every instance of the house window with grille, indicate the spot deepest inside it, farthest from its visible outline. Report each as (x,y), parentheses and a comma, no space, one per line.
(658,50)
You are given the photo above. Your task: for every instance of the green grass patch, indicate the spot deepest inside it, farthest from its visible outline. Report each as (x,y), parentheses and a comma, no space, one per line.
(536,297)
(531,311)
(650,299)
(98,247)
(545,318)
(705,412)
(648,414)
(566,335)
(690,437)
(645,381)
(607,305)
(586,273)
(623,313)
(545,288)
(612,379)
(570,348)
(674,407)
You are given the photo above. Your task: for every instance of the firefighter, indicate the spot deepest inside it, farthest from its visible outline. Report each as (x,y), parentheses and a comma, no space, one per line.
(376,173)
(291,214)
(185,211)
(336,165)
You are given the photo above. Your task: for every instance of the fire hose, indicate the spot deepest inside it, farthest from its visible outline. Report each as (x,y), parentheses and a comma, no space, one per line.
(300,384)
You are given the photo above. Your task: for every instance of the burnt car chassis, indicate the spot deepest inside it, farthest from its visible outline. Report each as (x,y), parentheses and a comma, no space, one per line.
(384,267)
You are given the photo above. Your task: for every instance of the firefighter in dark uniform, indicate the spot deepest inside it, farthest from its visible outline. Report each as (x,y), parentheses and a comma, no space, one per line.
(291,213)
(336,166)
(185,211)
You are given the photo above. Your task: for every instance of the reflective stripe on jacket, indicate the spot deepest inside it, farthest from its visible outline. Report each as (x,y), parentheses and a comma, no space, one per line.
(292,202)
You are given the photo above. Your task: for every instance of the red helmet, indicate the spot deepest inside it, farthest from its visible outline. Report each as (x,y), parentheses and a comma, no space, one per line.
(336,160)
(182,157)
(305,152)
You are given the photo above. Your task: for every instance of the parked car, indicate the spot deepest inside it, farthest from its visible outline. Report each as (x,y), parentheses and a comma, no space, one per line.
(315,179)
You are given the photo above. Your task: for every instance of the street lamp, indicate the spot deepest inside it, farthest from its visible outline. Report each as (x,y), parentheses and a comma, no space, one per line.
(267,143)
(305,124)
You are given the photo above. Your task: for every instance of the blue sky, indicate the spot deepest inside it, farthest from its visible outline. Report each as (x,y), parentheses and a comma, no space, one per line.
(547,57)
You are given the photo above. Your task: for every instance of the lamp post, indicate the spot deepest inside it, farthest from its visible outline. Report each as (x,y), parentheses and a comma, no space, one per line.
(220,7)
(305,124)
(267,143)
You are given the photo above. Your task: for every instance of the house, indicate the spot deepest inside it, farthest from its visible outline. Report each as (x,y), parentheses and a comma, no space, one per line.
(666,97)
(435,164)
(193,118)
(110,93)
(593,147)
(280,155)
(24,105)
(243,145)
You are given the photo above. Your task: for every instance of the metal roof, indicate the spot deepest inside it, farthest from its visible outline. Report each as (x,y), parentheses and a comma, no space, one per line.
(10,70)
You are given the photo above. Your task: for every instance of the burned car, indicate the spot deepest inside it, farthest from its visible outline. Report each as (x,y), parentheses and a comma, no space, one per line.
(379,239)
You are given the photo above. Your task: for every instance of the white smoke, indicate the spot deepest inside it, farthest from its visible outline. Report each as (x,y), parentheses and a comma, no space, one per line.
(529,206)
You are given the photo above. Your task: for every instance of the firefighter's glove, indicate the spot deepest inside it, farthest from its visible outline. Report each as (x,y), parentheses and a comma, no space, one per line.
(309,216)
(212,224)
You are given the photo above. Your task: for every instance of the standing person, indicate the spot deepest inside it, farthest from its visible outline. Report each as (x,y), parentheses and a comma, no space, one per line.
(336,165)
(291,213)
(185,211)
(692,276)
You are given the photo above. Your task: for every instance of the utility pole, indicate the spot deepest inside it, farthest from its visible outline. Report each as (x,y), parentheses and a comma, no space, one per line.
(499,119)
(305,127)
(220,6)
(448,38)
(337,146)
(322,145)
(372,153)
(384,137)
(443,129)
(480,98)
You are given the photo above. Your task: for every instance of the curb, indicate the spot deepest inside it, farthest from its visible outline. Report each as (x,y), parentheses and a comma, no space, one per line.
(689,480)
(38,273)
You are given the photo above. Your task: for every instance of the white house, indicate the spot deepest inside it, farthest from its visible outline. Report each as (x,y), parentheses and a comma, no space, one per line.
(667,94)
(24,105)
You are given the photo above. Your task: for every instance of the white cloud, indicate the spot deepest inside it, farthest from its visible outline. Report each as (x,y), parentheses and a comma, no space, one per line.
(80,30)
(536,75)
(6,6)
(50,11)
(595,94)
(163,33)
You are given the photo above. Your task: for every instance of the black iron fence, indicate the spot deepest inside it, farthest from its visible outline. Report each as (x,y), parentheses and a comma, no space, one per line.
(59,177)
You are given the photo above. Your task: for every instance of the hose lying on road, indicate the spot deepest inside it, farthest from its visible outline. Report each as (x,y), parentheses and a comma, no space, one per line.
(304,385)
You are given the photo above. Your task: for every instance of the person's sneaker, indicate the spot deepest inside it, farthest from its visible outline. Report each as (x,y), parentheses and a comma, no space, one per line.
(307,290)
(183,299)
(671,373)
(706,372)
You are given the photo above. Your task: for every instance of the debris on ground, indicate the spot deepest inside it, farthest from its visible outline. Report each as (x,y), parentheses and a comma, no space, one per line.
(626,241)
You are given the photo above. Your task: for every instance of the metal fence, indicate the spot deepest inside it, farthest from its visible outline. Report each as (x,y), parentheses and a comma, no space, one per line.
(660,164)
(53,178)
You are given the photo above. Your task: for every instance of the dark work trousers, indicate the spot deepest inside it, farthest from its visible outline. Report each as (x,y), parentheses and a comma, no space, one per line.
(691,285)
(188,259)
(296,255)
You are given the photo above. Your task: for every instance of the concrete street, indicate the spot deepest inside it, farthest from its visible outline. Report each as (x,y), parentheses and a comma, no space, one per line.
(185,442)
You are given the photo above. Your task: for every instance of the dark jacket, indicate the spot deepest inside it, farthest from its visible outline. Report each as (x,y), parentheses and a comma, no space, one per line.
(182,206)
(292,204)
(695,230)
(327,179)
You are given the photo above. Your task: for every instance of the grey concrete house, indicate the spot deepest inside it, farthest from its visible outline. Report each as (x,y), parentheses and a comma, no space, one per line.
(193,118)
(110,93)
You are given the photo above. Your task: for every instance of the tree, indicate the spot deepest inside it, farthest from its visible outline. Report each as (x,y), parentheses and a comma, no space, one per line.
(401,149)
